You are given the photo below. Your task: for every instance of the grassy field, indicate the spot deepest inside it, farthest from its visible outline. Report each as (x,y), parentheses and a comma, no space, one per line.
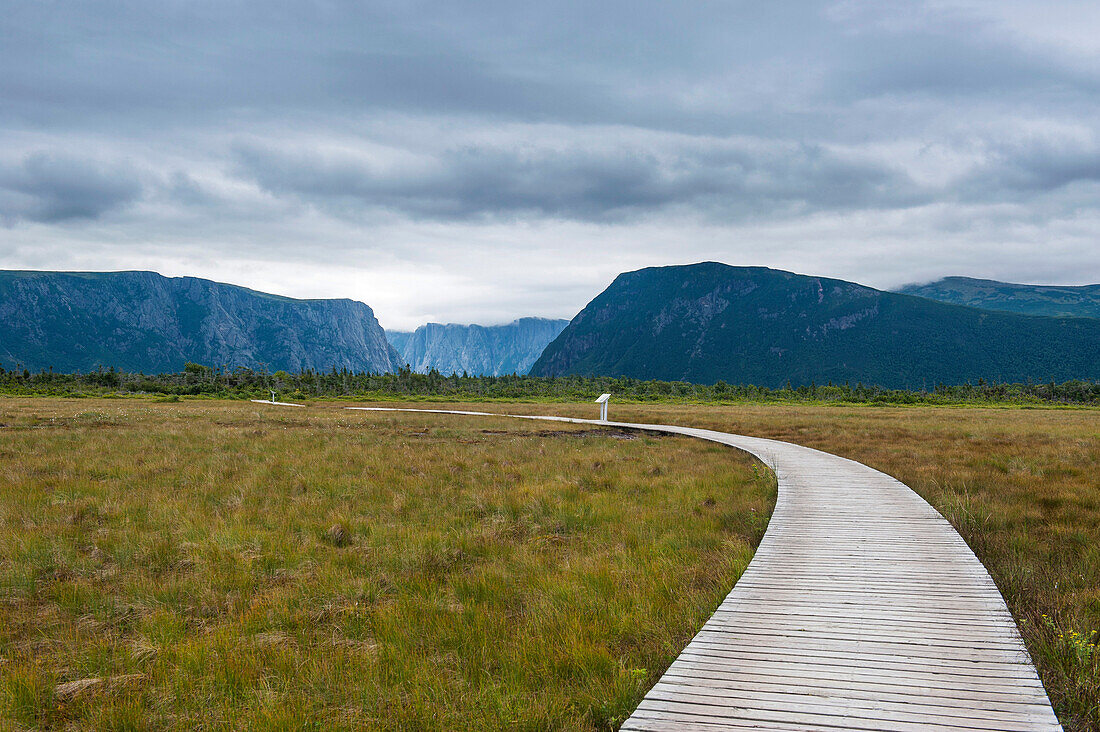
(1022,486)
(499,573)
(210,565)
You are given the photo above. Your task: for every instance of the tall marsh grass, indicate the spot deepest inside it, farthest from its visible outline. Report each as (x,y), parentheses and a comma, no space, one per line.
(221,565)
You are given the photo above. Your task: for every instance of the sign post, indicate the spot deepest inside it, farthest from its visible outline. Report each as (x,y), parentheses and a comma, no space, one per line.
(602,401)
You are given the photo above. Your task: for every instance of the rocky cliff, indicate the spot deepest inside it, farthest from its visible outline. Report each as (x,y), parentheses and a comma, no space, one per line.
(476,349)
(141,321)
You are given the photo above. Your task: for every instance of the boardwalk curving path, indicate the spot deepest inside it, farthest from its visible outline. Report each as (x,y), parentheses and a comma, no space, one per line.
(862,609)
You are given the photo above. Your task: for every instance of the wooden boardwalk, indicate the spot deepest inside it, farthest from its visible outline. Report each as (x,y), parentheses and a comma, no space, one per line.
(862,609)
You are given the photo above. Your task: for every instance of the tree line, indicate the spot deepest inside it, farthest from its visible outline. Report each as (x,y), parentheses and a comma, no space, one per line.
(198,380)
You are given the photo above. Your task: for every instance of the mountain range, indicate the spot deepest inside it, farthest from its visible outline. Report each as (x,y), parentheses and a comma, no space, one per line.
(1058,300)
(703,323)
(708,322)
(476,349)
(141,321)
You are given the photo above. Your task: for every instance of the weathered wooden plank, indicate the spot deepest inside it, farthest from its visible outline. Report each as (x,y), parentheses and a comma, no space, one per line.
(862,609)
(840,717)
(844,658)
(819,702)
(914,644)
(717,668)
(872,687)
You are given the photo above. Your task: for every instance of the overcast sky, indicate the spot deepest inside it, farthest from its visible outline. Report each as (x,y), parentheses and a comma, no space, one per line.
(479,161)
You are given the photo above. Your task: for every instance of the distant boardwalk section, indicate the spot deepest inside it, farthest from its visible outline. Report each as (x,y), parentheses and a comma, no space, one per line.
(863,609)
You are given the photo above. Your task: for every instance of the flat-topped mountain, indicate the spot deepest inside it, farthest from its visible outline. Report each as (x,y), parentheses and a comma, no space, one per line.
(141,321)
(399,339)
(481,350)
(753,325)
(1058,300)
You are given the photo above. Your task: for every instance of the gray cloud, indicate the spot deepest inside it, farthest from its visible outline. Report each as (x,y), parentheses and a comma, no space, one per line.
(602,177)
(461,161)
(51,188)
(1044,166)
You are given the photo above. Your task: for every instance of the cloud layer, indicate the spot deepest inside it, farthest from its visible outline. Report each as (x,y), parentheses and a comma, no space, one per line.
(482,161)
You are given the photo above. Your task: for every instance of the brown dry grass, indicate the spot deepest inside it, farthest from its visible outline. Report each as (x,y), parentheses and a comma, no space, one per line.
(223,565)
(1021,485)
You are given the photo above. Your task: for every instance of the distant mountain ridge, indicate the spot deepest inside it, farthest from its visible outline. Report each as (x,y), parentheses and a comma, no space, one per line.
(484,350)
(1081,301)
(399,339)
(753,325)
(142,321)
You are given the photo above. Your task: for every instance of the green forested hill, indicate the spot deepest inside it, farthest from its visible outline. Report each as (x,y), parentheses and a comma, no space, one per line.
(1058,300)
(141,321)
(709,322)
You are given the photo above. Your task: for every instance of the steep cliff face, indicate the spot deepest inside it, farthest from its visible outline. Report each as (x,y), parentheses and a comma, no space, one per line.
(477,349)
(708,322)
(1081,301)
(141,321)
(399,339)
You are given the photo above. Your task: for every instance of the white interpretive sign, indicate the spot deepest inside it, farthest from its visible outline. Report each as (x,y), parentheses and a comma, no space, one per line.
(602,401)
